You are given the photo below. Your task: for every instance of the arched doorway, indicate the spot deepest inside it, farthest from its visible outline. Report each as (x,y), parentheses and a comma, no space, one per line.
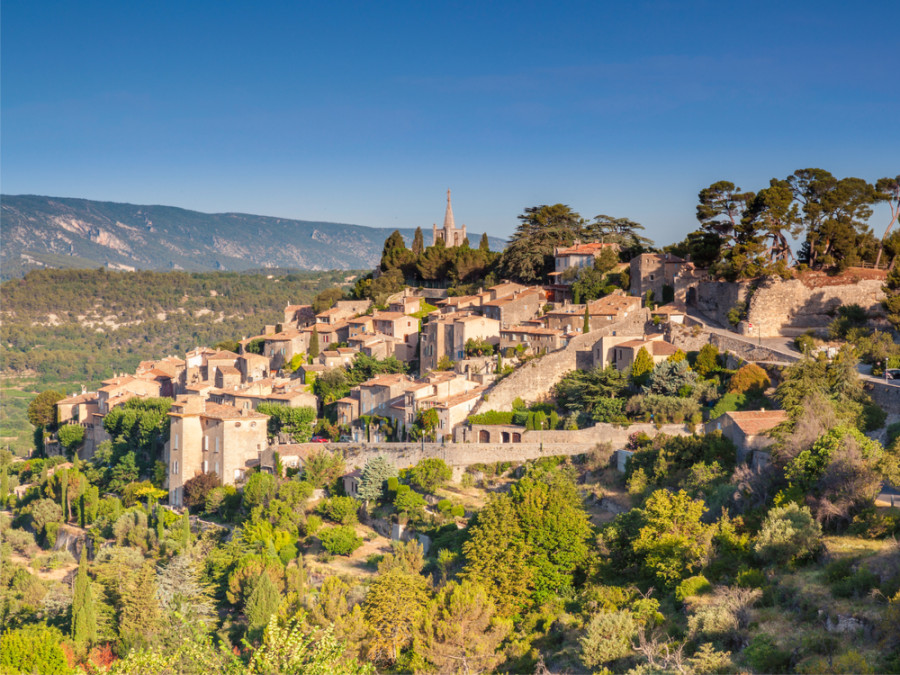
(504,437)
(516,437)
(484,436)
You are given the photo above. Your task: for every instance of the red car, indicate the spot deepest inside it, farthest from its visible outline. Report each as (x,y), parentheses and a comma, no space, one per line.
(320,439)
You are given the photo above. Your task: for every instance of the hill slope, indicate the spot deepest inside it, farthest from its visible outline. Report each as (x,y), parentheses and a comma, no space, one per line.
(63,232)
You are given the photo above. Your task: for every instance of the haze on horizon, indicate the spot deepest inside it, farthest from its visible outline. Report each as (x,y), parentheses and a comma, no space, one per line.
(363,113)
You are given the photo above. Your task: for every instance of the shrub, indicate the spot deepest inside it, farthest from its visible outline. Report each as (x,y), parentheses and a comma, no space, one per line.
(339,510)
(707,360)
(467,481)
(789,533)
(313,523)
(341,540)
(749,378)
(765,656)
(856,585)
(33,649)
(750,578)
(458,511)
(408,501)
(22,542)
(725,615)
(805,343)
(607,637)
(692,586)
(259,489)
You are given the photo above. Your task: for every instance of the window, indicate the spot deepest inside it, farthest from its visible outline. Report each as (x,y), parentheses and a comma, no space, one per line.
(217,443)
(216,465)
(206,442)
(175,443)
(175,468)
(205,466)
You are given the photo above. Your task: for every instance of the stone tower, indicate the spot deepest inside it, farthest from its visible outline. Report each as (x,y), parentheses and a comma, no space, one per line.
(449,234)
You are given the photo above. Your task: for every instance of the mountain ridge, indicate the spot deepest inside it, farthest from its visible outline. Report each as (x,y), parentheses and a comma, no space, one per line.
(44,231)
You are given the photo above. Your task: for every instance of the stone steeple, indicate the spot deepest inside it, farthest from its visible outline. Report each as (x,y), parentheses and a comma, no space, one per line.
(449,233)
(449,224)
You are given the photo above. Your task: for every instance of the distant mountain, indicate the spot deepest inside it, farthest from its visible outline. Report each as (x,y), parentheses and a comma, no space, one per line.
(62,232)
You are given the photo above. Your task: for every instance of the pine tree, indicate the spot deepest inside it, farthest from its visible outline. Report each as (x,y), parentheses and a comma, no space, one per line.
(139,615)
(418,244)
(374,475)
(261,605)
(314,343)
(484,244)
(587,321)
(393,608)
(84,620)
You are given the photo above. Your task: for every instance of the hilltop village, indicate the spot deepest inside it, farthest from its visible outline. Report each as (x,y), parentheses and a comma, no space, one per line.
(582,454)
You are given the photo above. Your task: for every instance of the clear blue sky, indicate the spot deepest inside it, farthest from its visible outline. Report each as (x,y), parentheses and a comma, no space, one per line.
(367,112)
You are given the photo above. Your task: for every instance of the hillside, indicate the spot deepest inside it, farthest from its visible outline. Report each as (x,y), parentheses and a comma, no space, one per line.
(59,232)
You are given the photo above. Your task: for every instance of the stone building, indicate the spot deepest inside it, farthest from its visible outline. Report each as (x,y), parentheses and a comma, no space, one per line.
(281,347)
(576,257)
(653,272)
(208,437)
(747,429)
(449,234)
(513,309)
(447,334)
(534,338)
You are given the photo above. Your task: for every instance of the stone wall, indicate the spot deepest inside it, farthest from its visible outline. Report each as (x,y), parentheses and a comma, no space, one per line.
(715,298)
(791,307)
(535,444)
(533,381)
(690,338)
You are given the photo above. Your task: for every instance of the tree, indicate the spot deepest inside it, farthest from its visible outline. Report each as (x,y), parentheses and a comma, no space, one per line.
(427,421)
(590,391)
(395,253)
(261,605)
(139,615)
(435,261)
(888,191)
(672,542)
(430,474)
(529,256)
(642,367)
(669,378)
(788,533)
(314,343)
(418,244)
(393,607)
(341,540)
(181,590)
(460,633)
(323,468)
(484,244)
(196,488)
(586,328)
(42,409)
(375,474)
(496,555)
(84,619)
(298,422)
(260,488)
(70,436)
(707,360)
(621,231)
(290,647)
(33,649)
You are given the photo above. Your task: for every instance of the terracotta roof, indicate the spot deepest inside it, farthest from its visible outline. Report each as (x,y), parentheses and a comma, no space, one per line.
(222,355)
(229,370)
(755,422)
(284,335)
(361,320)
(384,380)
(583,249)
(346,350)
(531,330)
(78,398)
(229,412)
(388,316)
(249,356)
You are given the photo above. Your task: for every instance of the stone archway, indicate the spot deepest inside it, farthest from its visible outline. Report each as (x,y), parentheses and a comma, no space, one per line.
(516,437)
(504,437)
(484,436)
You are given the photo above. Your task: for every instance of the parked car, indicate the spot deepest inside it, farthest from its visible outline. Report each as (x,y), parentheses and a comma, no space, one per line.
(320,439)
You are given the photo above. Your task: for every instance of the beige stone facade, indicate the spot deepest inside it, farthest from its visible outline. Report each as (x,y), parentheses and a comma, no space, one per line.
(446,335)
(653,271)
(208,437)
(513,309)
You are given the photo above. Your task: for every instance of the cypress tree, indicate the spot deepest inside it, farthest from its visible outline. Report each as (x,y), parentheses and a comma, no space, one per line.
(140,617)
(484,245)
(418,244)
(4,485)
(587,320)
(185,529)
(314,344)
(84,620)
(261,605)
(64,490)
(160,527)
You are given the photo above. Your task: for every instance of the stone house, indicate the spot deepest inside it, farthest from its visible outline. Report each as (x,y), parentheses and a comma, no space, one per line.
(351,483)
(227,377)
(601,313)
(360,325)
(512,310)
(624,353)
(653,272)
(376,395)
(747,429)
(446,335)
(355,307)
(218,360)
(116,390)
(195,369)
(459,302)
(253,367)
(249,399)
(329,333)
(208,437)
(337,358)
(535,339)
(395,324)
(501,290)
(77,408)
(308,372)
(347,408)
(453,411)
(408,304)
(670,313)
(281,347)
(576,257)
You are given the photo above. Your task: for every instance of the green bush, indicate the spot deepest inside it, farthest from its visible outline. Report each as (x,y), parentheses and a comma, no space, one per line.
(696,585)
(749,378)
(341,540)
(856,585)
(458,511)
(339,510)
(444,505)
(751,578)
(765,656)
(492,417)
(51,530)
(789,533)
(393,484)
(33,649)
(805,343)
(430,474)
(313,524)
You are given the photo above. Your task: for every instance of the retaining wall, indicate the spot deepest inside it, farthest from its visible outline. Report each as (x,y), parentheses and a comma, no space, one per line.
(533,381)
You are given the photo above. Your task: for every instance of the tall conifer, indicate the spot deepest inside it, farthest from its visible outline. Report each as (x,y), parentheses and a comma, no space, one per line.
(314,344)
(418,244)
(261,605)
(84,619)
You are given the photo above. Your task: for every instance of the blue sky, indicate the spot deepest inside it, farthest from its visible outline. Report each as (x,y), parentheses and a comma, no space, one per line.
(367,112)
